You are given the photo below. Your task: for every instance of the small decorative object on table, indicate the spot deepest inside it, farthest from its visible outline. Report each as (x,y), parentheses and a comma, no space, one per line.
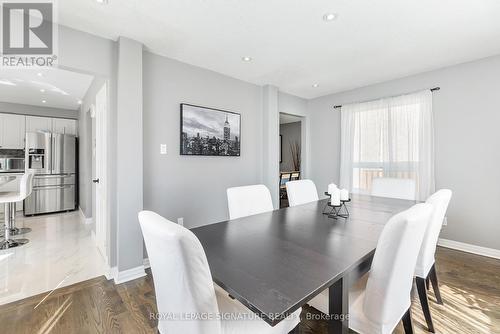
(338,198)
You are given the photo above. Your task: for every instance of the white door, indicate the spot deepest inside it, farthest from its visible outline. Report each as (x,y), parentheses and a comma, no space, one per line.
(35,124)
(64,126)
(12,131)
(100,178)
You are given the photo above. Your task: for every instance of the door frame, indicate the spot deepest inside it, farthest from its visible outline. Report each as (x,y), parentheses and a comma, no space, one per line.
(102,214)
(304,148)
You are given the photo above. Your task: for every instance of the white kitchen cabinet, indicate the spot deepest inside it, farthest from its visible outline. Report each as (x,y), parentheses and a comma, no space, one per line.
(12,131)
(64,126)
(35,124)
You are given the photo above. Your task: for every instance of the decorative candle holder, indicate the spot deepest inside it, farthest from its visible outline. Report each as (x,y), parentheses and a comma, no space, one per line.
(336,211)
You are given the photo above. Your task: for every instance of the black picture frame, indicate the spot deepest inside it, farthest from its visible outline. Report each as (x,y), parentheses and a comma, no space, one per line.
(224,148)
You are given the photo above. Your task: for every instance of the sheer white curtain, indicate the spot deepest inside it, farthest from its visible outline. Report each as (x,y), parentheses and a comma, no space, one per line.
(390,137)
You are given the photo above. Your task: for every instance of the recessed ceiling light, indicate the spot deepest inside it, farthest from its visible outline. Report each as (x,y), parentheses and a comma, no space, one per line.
(42,90)
(315,85)
(247,59)
(328,17)
(44,101)
(102,2)
(40,74)
(79,101)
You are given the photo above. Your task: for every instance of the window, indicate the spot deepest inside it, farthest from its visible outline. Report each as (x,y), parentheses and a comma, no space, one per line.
(388,138)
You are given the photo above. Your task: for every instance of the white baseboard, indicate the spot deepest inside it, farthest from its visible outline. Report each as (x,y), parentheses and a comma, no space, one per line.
(478,250)
(128,275)
(111,273)
(85,220)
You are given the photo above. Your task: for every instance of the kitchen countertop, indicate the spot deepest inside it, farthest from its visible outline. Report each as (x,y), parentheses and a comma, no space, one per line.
(4,179)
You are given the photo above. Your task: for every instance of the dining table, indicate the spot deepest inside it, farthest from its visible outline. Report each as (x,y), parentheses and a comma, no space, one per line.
(276,262)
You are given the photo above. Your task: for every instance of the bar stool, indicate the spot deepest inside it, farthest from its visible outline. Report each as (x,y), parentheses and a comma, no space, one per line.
(9,199)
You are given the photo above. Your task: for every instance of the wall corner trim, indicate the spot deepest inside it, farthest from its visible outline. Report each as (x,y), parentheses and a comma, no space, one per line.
(469,248)
(127,275)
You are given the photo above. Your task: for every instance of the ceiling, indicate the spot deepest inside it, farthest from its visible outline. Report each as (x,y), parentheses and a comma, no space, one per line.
(58,88)
(290,44)
(285,118)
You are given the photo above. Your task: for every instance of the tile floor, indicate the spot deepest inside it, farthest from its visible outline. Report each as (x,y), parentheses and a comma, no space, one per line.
(60,252)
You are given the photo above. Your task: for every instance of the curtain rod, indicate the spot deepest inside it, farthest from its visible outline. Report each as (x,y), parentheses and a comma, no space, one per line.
(432,90)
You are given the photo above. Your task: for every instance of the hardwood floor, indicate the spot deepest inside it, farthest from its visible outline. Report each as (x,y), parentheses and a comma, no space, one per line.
(470,286)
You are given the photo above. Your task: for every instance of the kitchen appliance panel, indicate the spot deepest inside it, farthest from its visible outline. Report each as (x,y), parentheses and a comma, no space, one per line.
(50,199)
(53,180)
(53,157)
(63,154)
(11,165)
(15,164)
(38,152)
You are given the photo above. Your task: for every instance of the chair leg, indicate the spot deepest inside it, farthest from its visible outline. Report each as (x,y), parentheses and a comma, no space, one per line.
(428,283)
(422,294)
(407,324)
(435,284)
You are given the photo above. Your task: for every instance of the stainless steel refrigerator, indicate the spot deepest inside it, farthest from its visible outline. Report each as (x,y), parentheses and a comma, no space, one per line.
(53,158)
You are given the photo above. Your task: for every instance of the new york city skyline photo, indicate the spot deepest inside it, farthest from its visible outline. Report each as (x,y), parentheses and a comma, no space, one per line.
(207,131)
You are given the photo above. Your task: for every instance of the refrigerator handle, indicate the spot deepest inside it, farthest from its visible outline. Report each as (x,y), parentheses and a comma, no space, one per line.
(53,153)
(50,152)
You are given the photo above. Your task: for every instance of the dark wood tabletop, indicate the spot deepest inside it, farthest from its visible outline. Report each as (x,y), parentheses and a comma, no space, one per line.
(276,262)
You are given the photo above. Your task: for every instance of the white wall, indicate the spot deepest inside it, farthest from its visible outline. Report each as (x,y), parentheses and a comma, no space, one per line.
(129,171)
(189,186)
(291,104)
(467,117)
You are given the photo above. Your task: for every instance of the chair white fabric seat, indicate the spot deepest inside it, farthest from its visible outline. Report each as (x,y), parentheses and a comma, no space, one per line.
(424,266)
(187,299)
(394,188)
(248,200)
(245,321)
(425,270)
(301,192)
(357,318)
(440,201)
(377,306)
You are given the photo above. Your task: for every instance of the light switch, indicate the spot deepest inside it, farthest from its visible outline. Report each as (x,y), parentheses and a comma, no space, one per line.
(163,149)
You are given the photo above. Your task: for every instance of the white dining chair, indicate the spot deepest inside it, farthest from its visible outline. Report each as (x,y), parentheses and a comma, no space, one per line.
(425,271)
(184,287)
(9,199)
(248,200)
(301,192)
(377,307)
(393,188)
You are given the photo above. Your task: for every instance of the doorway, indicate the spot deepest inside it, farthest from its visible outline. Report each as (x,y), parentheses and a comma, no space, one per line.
(291,155)
(63,245)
